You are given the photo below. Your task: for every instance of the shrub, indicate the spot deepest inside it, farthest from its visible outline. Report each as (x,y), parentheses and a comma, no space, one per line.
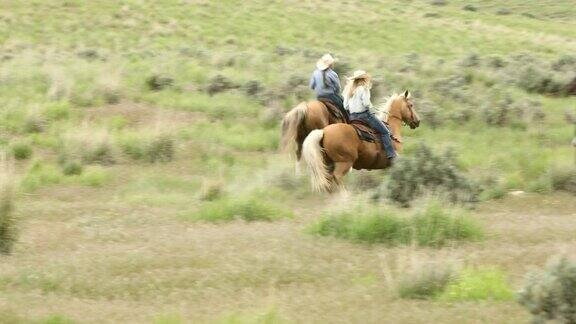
(7,220)
(426,171)
(478,284)
(550,294)
(507,112)
(89,146)
(430,113)
(245,208)
(570,88)
(470,7)
(563,179)
(438,2)
(211,190)
(89,54)
(160,149)
(35,123)
(21,151)
(132,145)
(220,83)
(40,175)
(496,192)
(253,88)
(426,283)
(159,82)
(418,276)
(366,180)
(57,111)
(496,62)
(93,177)
(109,86)
(432,226)
(461,115)
(456,86)
(150,148)
(503,12)
(540,81)
(72,168)
(565,63)
(472,60)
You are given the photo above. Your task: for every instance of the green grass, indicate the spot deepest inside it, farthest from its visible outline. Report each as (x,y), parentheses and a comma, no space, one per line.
(434,225)
(271,316)
(46,174)
(248,209)
(478,285)
(21,151)
(148,147)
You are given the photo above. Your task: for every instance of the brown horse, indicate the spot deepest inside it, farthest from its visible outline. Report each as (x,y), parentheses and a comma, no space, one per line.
(332,151)
(300,121)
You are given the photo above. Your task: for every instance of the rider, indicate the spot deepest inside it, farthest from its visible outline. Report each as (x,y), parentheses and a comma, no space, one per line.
(357,102)
(326,83)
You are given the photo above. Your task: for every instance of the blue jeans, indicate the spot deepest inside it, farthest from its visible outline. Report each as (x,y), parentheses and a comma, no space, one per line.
(379,126)
(337,101)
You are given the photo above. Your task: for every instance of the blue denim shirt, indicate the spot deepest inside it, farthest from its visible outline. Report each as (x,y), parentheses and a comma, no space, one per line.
(332,83)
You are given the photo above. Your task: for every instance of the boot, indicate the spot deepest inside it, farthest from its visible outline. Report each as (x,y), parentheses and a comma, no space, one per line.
(388,147)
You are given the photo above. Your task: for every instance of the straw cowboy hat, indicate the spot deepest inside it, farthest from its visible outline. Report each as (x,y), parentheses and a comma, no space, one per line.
(325,61)
(359,74)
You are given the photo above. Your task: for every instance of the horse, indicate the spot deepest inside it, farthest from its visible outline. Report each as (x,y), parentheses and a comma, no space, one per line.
(332,151)
(300,121)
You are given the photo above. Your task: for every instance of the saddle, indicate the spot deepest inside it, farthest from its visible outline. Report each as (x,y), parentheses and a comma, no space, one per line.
(334,111)
(367,133)
(364,131)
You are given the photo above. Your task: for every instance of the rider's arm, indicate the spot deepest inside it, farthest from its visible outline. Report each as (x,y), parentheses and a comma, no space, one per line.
(312,82)
(366,99)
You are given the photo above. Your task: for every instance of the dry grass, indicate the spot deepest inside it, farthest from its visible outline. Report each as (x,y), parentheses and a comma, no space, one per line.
(414,274)
(97,259)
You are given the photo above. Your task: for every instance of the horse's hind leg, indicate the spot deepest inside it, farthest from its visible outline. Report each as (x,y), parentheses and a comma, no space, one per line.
(340,170)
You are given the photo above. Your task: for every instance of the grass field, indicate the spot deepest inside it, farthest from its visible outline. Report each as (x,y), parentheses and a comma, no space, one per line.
(143,140)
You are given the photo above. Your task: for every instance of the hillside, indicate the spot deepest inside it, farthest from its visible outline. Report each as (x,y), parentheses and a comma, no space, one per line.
(137,129)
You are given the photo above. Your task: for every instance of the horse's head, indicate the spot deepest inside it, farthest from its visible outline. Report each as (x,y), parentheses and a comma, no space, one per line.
(401,107)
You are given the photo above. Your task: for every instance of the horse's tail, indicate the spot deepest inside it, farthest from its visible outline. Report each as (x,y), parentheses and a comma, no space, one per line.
(291,127)
(313,155)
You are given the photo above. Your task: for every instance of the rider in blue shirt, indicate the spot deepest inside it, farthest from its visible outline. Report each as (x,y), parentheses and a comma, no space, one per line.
(326,83)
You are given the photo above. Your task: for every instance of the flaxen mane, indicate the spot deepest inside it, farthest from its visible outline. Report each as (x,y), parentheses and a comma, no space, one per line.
(383,110)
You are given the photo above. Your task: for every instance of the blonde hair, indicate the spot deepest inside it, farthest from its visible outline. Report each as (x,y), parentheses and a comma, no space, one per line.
(353,84)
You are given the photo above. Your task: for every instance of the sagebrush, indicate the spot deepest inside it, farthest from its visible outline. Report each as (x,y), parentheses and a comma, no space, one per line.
(550,294)
(425,171)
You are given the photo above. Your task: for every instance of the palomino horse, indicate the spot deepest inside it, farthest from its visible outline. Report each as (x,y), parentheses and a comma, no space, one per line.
(332,151)
(300,121)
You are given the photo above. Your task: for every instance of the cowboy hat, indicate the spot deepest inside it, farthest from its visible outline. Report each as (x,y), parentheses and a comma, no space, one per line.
(359,74)
(325,61)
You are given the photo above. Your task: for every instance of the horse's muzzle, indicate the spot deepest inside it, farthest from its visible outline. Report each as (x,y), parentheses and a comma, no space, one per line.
(414,124)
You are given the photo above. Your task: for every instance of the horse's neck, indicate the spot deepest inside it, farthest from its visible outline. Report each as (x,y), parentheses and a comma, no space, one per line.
(396,129)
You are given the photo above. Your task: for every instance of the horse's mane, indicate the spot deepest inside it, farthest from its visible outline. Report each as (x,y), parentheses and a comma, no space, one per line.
(383,109)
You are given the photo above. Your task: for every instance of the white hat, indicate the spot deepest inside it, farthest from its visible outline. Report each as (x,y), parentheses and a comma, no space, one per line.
(359,74)
(325,62)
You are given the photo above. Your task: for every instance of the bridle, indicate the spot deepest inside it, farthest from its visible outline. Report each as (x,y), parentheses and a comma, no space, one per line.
(410,108)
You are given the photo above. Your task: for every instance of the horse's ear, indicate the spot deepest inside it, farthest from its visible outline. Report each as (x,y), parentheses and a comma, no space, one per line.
(406,94)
